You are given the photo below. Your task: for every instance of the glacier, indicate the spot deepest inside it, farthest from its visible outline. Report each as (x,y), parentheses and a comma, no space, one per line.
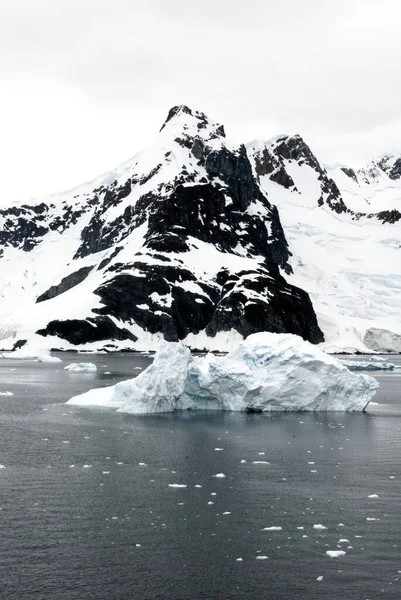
(266,372)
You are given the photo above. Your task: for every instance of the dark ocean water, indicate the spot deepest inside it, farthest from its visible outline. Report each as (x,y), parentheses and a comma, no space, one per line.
(87,511)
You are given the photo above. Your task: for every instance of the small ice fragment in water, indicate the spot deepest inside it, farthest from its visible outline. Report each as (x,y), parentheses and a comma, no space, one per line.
(210,502)
(198,486)
(141,464)
(238,559)
(226,513)
(335,553)
(373,496)
(273,528)
(261,557)
(106,472)
(260,462)
(177,485)
(343,541)
(6,394)
(219,475)
(320,578)
(243,461)
(218,449)
(319,526)
(81,367)
(86,466)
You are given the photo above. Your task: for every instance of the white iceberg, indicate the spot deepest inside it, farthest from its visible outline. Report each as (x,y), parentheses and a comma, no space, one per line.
(81,367)
(266,372)
(365,365)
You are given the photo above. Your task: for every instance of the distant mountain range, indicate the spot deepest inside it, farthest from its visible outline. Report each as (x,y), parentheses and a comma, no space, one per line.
(200,240)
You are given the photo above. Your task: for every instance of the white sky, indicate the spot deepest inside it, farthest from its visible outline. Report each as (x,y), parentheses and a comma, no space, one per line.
(85,84)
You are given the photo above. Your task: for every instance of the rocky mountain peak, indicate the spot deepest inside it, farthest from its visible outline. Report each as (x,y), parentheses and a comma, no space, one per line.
(192,123)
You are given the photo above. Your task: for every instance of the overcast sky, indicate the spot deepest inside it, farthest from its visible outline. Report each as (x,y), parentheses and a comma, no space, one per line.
(84,84)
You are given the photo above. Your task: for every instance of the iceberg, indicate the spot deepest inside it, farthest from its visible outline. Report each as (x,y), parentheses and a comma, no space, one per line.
(81,367)
(365,365)
(266,372)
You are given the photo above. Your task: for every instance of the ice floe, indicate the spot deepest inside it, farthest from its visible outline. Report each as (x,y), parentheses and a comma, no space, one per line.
(81,367)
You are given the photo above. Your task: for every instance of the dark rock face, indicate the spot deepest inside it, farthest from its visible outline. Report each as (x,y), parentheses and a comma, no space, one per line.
(65,284)
(350,173)
(157,299)
(24,226)
(78,332)
(254,301)
(293,148)
(395,172)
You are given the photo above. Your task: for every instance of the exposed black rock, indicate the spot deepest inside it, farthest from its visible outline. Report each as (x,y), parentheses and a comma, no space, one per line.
(254,301)
(78,332)
(65,284)
(395,172)
(155,299)
(350,173)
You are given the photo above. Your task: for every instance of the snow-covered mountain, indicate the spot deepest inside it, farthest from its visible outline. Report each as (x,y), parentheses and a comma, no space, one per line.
(344,232)
(200,240)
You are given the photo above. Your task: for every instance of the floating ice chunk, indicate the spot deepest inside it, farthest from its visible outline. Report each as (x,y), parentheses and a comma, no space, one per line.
(273,528)
(142,464)
(320,578)
(2,466)
(365,365)
(177,485)
(218,449)
(261,557)
(266,372)
(335,553)
(239,559)
(81,367)
(344,541)
(6,394)
(373,496)
(226,512)
(243,461)
(260,462)
(198,486)
(219,475)
(319,526)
